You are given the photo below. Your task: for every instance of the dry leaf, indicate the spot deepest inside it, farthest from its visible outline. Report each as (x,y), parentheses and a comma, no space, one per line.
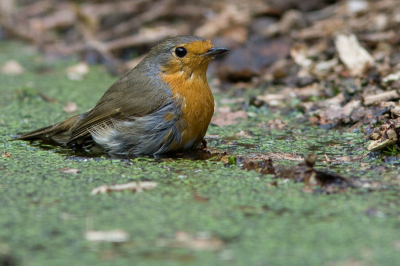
(199,198)
(276,123)
(385,135)
(78,71)
(70,107)
(352,54)
(242,134)
(225,119)
(231,15)
(391,77)
(114,236)
(133,186)
(12,67)
(230,100)
(203,241)
(273,99)
(330,182)
(299,53)
(381,97)
(182,236)
(356,6)
(5,154)
(212,136)
(69,170)
(327,158)
(206,244)
(223,109)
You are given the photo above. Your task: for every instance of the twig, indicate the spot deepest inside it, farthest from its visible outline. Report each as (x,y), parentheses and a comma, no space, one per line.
(147,36)
(144,37)
(112,8)
(156,11)
(34,9)
(381,97)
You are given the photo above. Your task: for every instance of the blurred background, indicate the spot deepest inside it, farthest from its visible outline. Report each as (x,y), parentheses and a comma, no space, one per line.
(276,45)
(259,33)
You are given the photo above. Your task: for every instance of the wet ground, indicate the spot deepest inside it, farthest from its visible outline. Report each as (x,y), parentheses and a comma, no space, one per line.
(204,210)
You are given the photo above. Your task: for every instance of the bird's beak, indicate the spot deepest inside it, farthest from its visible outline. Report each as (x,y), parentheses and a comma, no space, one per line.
(216,51)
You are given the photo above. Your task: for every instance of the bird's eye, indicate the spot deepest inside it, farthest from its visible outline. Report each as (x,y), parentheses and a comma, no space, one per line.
(180,52)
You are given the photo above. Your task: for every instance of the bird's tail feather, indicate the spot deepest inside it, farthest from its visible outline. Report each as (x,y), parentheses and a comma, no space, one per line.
(53,130)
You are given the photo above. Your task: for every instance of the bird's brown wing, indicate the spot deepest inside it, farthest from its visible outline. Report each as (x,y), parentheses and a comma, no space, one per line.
(131,96)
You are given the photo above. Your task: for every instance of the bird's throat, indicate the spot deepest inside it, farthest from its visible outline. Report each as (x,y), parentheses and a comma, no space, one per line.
(194,98)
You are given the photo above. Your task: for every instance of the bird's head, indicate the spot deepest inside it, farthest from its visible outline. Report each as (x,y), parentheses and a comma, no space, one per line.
(185,55)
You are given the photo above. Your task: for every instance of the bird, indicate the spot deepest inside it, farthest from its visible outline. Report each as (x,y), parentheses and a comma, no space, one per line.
(163,104)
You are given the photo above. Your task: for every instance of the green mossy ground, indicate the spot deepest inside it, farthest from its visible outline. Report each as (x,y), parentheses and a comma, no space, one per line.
(44,213)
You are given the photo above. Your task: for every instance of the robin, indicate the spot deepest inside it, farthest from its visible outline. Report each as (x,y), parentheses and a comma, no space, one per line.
(163,104)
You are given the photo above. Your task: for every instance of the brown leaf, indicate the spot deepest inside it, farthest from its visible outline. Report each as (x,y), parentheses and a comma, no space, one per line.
(230,118)
(199,198)
(238,34)
(12,67)
(78,71)
(352,54)
(299,53)
(202,241)
(133,186)
(69,170)
(265,166)
(384,136)
(114,236)
(304,172)
(206,244)
(70,107)
(5,154)
(231,15)
(381,97)
(276,123)
(242,134)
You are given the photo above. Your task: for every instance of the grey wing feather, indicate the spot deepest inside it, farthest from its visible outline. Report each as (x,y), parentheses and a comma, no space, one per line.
(129,97)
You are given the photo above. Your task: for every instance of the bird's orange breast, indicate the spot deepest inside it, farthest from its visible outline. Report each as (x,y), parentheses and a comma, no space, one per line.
(196,101)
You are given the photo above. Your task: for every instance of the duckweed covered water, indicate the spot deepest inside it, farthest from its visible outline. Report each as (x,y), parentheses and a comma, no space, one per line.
(44,212)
